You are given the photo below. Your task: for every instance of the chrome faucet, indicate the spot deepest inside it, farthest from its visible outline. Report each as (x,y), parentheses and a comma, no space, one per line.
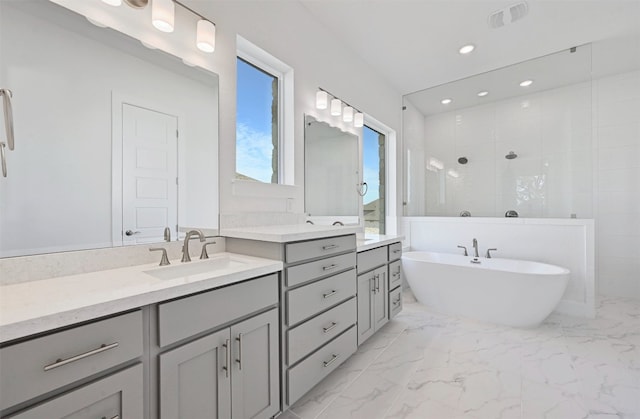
(475,248)
(185,246)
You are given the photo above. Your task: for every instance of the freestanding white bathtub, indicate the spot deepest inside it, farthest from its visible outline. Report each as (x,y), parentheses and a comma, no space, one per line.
(503,291)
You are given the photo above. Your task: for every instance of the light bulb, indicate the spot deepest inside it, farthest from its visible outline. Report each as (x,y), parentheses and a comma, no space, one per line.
(446,101)
(347,114)
(526,83)
(322,99)
(483,93)
(358,120)
(466,49)
(163,14)
(113,2)
(206,36)
(336,107)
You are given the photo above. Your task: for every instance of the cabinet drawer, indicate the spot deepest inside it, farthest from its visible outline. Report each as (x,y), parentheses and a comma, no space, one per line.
(395,302)
(313,333)
(296,252)
(309,372)
(180,319)
(117,396)
(395,251)
(312,270)
(310,299)
(372,259)
(68,356)
(395,274)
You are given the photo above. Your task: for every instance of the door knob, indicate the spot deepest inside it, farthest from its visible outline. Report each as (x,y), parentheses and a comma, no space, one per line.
(131,232)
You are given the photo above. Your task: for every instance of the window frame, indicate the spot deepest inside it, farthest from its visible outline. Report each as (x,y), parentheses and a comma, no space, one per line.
(271,65)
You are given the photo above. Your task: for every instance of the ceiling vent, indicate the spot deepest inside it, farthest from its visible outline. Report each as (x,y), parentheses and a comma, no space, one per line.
(508,15)
(496,19)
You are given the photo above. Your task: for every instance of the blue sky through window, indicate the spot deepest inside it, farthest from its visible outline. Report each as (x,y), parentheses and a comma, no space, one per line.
(371,162)
(254,143)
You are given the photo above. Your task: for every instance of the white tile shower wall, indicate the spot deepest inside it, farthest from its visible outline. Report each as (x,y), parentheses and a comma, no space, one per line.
(563,242)
(550,133)
(617,141)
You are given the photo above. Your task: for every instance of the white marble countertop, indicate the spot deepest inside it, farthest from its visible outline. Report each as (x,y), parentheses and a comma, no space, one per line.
(37,306)
(288,233)
(371,241)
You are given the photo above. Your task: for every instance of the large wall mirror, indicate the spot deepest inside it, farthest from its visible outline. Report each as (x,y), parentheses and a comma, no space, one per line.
(114,141)
(332,173)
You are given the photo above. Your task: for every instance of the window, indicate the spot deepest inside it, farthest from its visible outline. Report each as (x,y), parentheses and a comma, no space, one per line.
(264,122)
(373,159)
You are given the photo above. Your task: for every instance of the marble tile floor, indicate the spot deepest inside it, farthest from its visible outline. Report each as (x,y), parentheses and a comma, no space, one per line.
(427,365)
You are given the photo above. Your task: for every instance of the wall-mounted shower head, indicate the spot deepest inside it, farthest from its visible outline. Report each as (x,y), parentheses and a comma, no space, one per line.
(511,156)
(463,160)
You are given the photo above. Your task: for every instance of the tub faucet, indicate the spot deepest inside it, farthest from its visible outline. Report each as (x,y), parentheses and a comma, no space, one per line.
(185,246)
(475,248)
(465,250)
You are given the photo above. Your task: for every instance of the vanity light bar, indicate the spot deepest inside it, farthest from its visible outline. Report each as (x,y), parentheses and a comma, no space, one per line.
(163,19)
(349,113)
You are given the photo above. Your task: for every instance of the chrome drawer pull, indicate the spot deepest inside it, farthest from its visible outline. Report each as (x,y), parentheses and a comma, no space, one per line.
(329,294)
(60,362)
(227,357)
(331,361)
(330,246)
(329,328)
(397,251)
(396,303)
(239,360)
(330,267)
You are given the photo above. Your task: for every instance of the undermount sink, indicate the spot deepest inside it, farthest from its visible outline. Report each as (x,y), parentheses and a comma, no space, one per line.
(211,265)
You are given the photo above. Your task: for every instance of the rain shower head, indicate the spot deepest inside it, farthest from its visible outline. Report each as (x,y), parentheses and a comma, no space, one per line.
(511,156)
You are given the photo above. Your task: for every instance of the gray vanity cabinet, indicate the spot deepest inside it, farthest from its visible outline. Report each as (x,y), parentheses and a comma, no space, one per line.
(373,306)
(255,381)
(395,279)
(193,380)
(232,373)
(379,288)
(43,367)
(319,312)
(113,397)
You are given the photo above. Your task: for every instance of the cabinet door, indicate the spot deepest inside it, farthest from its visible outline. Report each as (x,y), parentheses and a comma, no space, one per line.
(366,289)
(255,382)
(116,396)
(381,298)
(195,380)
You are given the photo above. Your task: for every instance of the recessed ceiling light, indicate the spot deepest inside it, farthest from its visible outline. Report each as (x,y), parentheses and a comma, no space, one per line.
(483,93)
(526,83)
(465,49)
(446,101)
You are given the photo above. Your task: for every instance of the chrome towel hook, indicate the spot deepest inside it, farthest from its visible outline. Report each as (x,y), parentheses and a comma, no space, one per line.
(363,188)
(8,116)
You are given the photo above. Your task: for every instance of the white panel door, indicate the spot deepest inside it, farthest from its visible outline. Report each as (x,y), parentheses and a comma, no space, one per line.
(149,174)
